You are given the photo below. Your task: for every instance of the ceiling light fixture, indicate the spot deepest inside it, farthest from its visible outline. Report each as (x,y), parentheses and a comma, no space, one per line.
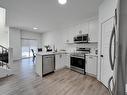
(62,2)
(35,28)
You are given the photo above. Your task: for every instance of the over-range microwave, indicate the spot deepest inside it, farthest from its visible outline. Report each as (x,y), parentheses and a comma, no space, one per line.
(83,38)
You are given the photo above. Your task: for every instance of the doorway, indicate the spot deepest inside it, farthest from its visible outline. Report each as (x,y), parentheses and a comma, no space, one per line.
(27,45)
(106,71)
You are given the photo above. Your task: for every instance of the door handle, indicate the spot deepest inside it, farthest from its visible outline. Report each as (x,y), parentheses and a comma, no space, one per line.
(109,85)
(116,16)
(112,61)
(102,55)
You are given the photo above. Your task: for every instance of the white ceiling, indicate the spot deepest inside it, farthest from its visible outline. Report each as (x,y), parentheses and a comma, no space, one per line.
(48,15)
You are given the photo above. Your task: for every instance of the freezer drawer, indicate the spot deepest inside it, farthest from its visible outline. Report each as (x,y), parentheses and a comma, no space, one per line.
(48,62)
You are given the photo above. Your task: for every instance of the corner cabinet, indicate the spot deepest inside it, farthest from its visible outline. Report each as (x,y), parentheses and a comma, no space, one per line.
(93,31)
(61,61)
(91,65)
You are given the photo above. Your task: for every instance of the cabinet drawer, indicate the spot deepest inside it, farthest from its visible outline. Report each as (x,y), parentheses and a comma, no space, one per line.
(91,65)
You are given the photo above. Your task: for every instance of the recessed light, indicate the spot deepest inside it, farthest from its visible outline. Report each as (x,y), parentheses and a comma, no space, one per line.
(35,28)
(62,2)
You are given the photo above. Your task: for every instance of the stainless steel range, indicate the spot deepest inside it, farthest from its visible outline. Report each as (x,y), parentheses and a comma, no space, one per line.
(78,60)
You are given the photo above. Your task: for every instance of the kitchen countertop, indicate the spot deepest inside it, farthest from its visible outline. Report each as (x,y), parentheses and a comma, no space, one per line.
(51,53)
(61,52)
(91,55)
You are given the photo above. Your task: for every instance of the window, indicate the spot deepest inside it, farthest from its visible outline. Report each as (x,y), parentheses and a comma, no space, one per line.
(27,45)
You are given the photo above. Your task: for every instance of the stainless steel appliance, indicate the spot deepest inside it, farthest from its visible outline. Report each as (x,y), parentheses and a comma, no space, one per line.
(121,76)
(118,54)
(48,64)
(83,38)
(78,60)
(113,56)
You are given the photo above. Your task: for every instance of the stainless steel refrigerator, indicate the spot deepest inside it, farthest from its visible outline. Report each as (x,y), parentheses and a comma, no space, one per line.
(118,60)
(122,48)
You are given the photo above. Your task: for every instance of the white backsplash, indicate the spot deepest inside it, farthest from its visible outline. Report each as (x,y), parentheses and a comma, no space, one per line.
(72,47)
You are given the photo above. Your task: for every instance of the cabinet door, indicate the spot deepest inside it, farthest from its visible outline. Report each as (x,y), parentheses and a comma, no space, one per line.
(91,65)
(83,28)
(71,34)
(87,61)
(62,60)
(38,66)
(93,31)
(66,60)
(58,64)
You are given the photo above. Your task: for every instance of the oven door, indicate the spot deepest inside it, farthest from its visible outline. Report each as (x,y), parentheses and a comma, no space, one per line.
(78,62)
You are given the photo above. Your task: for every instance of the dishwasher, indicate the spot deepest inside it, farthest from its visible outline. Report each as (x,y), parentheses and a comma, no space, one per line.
(48,64)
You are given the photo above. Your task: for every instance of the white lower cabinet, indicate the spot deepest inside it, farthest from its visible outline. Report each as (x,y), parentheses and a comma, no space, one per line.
(91,65)
(61,61)
(38,67)
(67,60)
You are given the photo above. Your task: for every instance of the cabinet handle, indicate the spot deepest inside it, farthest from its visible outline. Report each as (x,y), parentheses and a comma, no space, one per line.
(46,57)
(109,85)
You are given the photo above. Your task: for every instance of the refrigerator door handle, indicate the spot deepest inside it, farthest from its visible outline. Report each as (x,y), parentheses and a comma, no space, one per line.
(112,61)
(111,90)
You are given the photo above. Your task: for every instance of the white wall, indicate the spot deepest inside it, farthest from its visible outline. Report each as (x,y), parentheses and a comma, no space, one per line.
(15,42)
(3,29)
(60,37)
(53,38)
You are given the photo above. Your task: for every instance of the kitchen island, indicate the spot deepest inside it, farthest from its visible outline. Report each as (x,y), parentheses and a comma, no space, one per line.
(48,62)
(45,63)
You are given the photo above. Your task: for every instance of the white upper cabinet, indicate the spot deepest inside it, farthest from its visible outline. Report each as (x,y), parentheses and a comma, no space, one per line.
(93,31)
(81,29)
(90,27)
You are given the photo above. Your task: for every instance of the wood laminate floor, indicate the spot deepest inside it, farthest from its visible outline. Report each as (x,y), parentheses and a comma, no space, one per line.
(62,82)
